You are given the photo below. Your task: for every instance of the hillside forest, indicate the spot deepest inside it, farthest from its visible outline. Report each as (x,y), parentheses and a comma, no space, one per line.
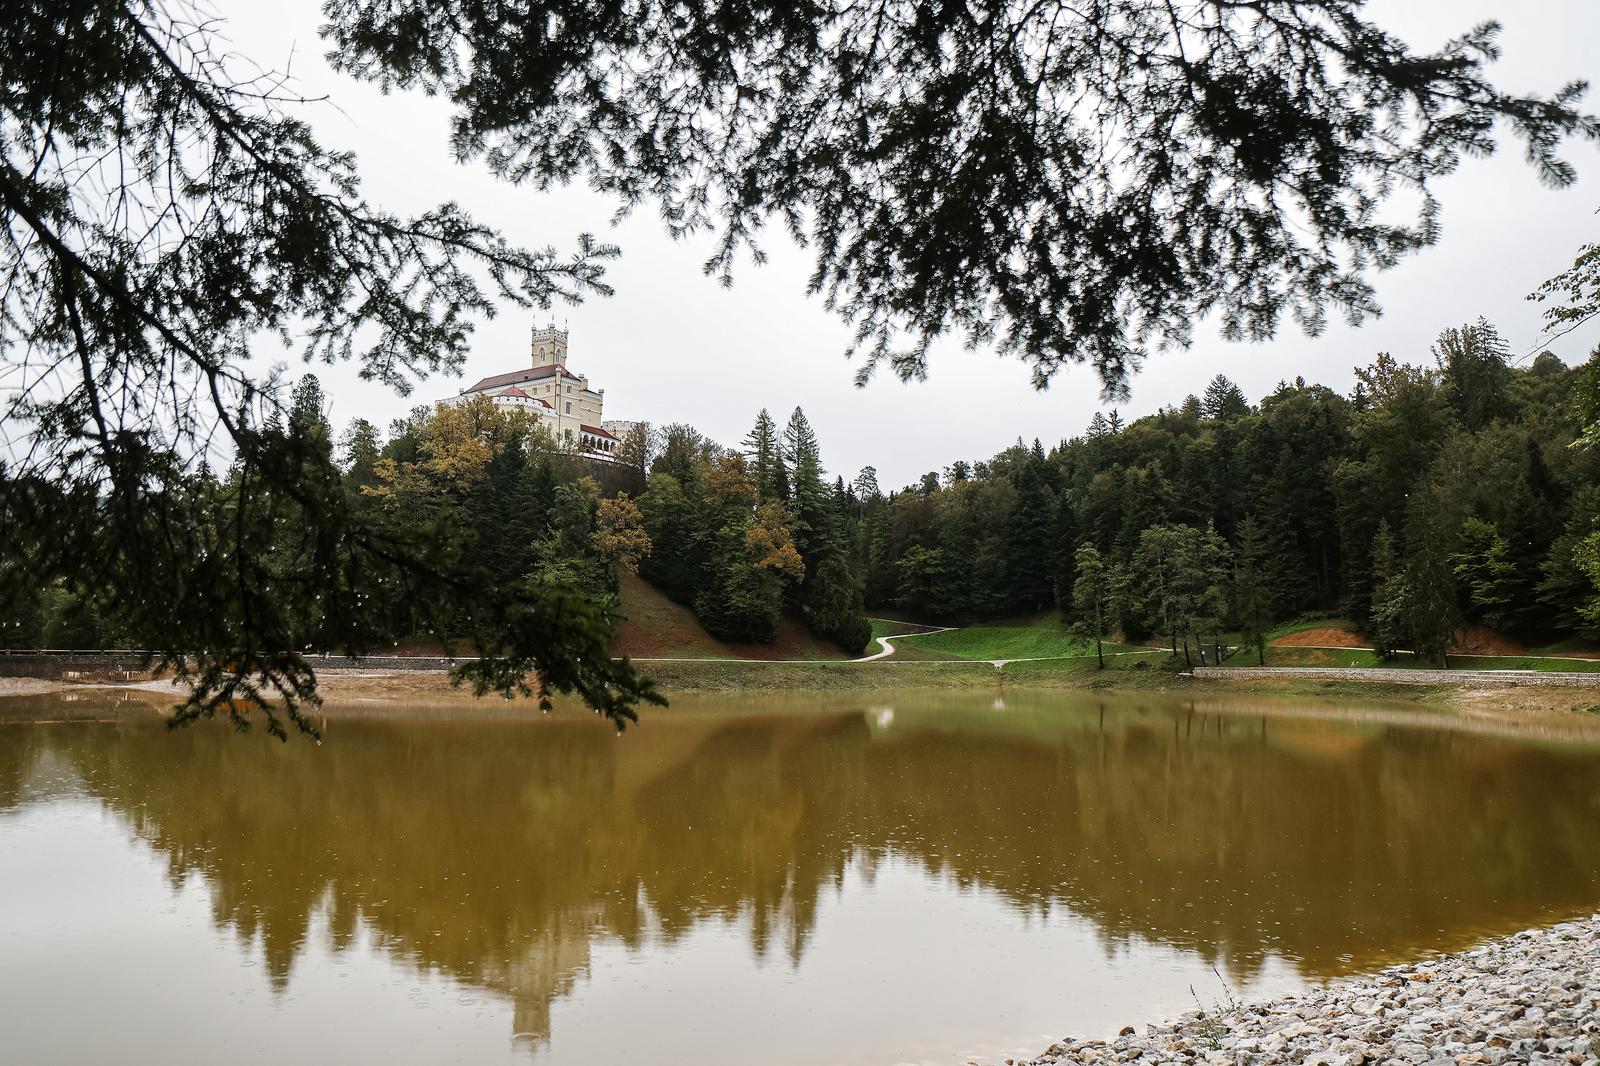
(1428,499)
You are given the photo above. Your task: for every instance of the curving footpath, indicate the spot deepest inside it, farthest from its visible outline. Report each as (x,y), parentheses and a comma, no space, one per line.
(888,648)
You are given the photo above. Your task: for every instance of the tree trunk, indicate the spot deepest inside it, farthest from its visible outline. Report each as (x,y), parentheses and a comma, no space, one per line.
(1098,654)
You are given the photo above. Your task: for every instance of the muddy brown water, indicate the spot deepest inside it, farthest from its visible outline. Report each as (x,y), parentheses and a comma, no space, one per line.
(872,878)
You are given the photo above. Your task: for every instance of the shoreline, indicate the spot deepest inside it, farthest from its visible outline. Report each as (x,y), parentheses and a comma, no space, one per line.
(1530,997)
(1549,713)
(1474,694)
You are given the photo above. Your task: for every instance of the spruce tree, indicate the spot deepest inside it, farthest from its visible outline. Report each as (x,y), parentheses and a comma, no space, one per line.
(361,452)
(808,493)
(1252,586)
(1065,565)
(765,453)
(1223,400)
(1389,610)
(1030,539)
(1484,573)
(1432,610)
(1473,365)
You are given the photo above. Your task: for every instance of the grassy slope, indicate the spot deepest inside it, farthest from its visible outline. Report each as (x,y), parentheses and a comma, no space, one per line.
(1352,657)
(1043,637)
(657,628)
(888,627)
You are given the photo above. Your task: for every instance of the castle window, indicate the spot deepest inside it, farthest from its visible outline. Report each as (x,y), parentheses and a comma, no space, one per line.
(569,408)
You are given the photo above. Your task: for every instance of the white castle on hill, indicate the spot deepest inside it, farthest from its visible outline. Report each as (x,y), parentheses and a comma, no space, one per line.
(569,407)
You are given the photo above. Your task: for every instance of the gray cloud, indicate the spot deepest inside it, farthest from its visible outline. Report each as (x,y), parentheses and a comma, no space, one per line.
(672,345)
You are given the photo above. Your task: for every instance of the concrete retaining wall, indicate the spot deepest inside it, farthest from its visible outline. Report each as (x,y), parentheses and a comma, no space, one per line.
(58,664)
(1507,678)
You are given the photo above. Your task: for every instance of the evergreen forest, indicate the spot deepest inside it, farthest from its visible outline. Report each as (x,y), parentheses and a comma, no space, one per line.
(1430,498)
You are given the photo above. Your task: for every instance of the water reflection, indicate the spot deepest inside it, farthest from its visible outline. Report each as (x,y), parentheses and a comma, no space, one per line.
(505,850)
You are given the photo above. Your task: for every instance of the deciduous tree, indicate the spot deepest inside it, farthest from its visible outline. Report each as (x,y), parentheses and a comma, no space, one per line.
(1091,599)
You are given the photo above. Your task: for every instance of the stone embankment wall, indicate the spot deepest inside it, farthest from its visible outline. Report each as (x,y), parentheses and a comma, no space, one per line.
(56,665)
(1487,678)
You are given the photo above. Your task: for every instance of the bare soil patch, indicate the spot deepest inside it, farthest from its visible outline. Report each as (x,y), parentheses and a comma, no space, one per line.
(1481,640)
(1322,637)
(354,684)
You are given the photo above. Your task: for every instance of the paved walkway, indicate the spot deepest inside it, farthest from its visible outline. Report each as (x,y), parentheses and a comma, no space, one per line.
(888,648)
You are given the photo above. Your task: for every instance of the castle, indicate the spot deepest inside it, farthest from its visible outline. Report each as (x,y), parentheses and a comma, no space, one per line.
(569,408)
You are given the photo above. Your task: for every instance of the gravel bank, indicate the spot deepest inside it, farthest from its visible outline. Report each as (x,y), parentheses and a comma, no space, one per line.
(1395,676)
(27,686)
(1529,998)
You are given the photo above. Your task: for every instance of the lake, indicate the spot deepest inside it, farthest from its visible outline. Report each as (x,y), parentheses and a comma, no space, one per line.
(865,878)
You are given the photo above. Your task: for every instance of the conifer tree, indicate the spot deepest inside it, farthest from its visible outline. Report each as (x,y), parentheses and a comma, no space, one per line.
(1215,566)
(765,453)
(1252,587)
(1030,538)
(866,484)
(1223,400)
(1389,609)
(1065,564)
(308,407)
(1473,366)
(808,494)
(361,452)
(1433,613)
(1484,573)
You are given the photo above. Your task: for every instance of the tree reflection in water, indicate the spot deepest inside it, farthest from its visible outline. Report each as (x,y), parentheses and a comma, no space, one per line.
(501,848)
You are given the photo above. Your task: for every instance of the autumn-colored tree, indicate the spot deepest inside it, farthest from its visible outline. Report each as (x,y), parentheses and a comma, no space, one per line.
(619,535)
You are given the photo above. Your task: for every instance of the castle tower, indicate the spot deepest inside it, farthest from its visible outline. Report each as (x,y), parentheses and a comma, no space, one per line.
(549,346)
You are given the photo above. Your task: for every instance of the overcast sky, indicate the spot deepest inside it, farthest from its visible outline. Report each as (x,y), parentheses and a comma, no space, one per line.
(673,346)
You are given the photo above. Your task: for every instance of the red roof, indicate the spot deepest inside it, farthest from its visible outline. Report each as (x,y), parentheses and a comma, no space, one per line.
(594,431)
(516,376)
(514,391)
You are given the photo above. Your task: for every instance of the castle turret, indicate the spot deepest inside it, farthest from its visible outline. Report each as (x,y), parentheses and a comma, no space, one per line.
(549,346)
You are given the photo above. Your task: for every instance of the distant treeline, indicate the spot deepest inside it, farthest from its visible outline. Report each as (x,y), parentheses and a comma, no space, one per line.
(1425,500)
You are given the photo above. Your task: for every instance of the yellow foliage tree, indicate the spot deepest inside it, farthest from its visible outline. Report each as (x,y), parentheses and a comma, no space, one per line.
(768,536)
(619,536)
(456,443)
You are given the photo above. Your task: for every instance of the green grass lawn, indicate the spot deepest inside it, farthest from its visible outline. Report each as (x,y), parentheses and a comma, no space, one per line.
(1574,646)
(1117,666)
(1044,637)
(1523,662)
(888,627)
